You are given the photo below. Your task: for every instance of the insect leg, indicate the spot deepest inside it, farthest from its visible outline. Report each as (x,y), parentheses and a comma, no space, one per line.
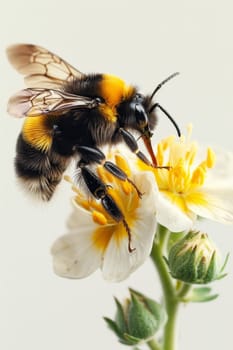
(100,191)
(120,174)
(92,154)
(133,145)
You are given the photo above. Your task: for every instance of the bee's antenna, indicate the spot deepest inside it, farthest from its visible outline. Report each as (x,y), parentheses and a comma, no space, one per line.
(157,105)
(162,83)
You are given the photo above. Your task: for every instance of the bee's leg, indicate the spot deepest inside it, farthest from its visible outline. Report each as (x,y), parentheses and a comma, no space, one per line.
(100,191)
(120,174)
(91,154)
(133,145)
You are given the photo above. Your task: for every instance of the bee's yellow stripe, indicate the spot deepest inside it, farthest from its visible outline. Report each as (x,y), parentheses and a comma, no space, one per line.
(113,90)
(37,133)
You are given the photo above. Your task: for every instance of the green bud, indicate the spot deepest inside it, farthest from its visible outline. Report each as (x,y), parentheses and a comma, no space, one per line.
(137,320)
(194,259)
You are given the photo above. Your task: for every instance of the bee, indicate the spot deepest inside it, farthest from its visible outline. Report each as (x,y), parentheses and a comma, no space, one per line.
(72,115)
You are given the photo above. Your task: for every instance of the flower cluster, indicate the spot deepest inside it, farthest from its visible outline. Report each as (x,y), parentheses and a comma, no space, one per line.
(187,184)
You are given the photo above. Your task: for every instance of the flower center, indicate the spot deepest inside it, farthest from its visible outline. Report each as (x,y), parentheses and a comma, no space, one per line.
(183,182)
(183,177)
(124,195)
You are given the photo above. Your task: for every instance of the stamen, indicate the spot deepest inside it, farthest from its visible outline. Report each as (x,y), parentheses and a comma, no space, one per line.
(159,155)
(168,142)
(122,164)
(68,179)
(99,218)
(105,176)
(191,154)
(73,187)
(81,201)
(198,177)
(178,177)
(127,188)
(210,159)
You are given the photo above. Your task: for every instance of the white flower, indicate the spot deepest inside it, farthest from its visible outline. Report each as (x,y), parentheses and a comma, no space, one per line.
(95,240)
(191,188)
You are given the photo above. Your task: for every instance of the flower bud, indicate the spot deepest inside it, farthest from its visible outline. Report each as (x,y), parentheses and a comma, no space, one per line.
(137,320)
(194,259)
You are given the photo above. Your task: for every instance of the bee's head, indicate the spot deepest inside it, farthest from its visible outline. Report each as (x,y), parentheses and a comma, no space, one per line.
(141,121)
(140,115)
(137,112)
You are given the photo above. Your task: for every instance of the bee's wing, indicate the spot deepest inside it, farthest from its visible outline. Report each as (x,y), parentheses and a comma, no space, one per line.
(41,68)
(34,102)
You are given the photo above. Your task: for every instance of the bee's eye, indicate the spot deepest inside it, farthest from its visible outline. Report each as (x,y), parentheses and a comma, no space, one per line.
(141,116)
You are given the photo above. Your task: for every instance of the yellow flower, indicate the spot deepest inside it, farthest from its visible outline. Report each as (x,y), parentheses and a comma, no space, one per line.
(191,186)
(95,240)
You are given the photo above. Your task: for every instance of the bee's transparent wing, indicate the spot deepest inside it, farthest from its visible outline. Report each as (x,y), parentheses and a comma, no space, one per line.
(41,68)
(34,102)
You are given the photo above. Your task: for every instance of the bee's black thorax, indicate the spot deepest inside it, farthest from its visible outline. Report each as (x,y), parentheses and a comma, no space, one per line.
(86,86)
(99,126)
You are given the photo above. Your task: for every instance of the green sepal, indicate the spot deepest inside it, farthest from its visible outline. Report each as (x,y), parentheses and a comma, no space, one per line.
(120,317)
(195,260)
(113,326)
(130,339)
(200,295)
(137,320)
(142,323)
(153,306)
(174,238)
(123,338)
(221,274)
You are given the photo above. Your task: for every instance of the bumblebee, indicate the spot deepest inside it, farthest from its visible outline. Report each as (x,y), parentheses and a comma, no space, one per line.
(72,115)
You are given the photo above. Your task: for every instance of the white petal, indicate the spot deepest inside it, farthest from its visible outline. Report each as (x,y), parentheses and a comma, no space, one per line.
(145,181)
(220,204)
(170,216)
(223,168)
(79,217)
(118,262)
(74,255)
(142,238)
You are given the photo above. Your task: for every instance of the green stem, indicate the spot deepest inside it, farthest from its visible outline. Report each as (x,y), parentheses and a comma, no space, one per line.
(184,290)
(170,298)
(153,345)
(170,331)
(157,255)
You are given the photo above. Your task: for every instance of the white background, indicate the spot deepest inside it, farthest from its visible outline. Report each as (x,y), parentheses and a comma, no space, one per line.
(143,42)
